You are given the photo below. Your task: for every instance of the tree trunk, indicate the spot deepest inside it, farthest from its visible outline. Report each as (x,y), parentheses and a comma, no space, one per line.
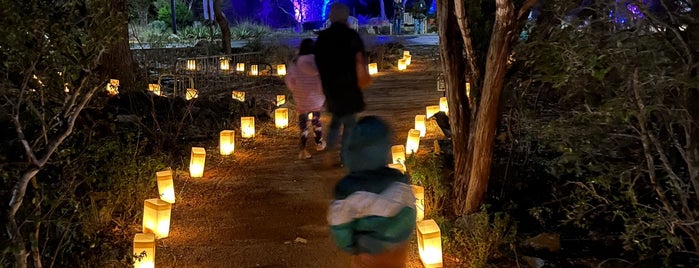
(118,63)
(383,10)
(451,53)
(474,72)
(223,24)
(494,80)
(13,229)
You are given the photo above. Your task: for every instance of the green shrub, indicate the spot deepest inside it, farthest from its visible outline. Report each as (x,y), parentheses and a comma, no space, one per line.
(183,15)
(249,30)
(478,237)
(426,171)
(612,121)
(96,196)
(90,198)
(199,32)
(157,35)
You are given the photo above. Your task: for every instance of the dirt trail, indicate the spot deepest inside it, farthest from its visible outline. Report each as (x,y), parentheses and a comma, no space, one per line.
(249,209)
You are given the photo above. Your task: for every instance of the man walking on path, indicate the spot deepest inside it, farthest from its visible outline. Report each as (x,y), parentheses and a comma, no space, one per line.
(418,12)
(343,74)
(397,16)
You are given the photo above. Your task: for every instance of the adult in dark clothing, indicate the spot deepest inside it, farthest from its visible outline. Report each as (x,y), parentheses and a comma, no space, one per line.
(419,10)
(339,50)
(398,10)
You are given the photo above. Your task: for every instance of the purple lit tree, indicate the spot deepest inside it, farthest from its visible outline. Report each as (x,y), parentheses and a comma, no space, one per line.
(303,10)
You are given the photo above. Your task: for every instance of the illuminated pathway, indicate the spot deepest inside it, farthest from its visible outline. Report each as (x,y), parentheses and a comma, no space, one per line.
(265,208)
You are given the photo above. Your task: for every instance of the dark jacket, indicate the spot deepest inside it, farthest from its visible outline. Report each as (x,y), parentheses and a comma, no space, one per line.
(398,10)
(336,48)
(419,10)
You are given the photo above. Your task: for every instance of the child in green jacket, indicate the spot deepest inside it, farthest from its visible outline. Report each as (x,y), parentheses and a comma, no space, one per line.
(373,212)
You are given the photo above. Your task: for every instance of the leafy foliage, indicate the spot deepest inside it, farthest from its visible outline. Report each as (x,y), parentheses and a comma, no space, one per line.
(50,59)
(105,217)
(607,114)
(157,34)
(199,32)
(249,30)
(426,171)
(183,15)
(477,238)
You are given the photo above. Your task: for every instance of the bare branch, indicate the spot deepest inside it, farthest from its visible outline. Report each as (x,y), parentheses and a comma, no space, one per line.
(523,10)
(28,151)
(688,56)
(645,140)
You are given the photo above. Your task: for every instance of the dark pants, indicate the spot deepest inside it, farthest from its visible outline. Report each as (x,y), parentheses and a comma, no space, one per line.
(303,126)
(419,23)
(397,26)
(347,122)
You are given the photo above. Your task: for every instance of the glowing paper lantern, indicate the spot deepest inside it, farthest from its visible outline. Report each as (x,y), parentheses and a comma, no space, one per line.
(166,187)
(155,88)
(225,64)
(281,69)
(112,87)
(373,68)
(443,105)
(227,142)
(281,99)
(253,70)
(156,217)
(406,53)
(240,67)
(398,154)
(192,94)
(468,90)
(238,95)
(247,127)
(196,162)
(281,117)
(191,65)
(401,65)
(310,116)
(408,59)
(441,85)
(144,247)
(431,110)
(420,124)
(399,167)
(429,243)
(419,193)
(413,142)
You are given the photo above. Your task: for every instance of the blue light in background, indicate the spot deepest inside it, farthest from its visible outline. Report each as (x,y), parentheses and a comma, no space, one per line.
(324,14)
(433,7)
(309,10)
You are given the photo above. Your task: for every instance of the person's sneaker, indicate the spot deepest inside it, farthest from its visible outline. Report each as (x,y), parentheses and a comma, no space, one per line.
(304,154)
(321,145)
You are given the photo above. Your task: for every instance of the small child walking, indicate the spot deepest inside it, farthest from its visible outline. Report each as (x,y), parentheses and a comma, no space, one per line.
(373,212)
(304,82)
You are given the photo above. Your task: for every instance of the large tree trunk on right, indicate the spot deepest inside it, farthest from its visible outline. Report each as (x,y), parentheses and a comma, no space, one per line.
(494,80)
(452,58)
(223,24)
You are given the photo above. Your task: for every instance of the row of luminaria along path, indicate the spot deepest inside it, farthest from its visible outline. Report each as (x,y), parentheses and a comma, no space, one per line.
(157,211)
